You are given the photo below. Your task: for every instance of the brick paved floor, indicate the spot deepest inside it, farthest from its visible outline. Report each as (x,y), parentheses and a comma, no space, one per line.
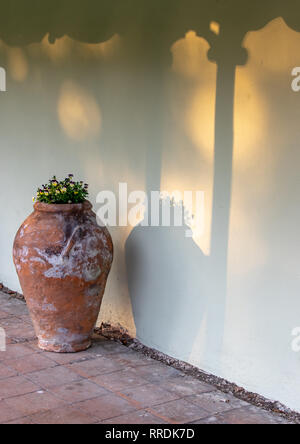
(107,384)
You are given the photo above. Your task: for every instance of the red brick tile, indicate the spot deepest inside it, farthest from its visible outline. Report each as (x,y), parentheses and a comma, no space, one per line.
(13,307)
(79,391)
(149,395)
(119,380)
(16,327)
(105,347)
(180,411)
(16,351)
(186,386)
(157,373)
(216,402)
(211,420)
(95,367)
(7,413)
(246,415)
(144,392)
(26,318)
(12,323)
(34,403)
(16,386)
(105,407)
(21,421)
(24,333)
(33,345)
(6,372)
(65,415)
(132,359)
(140,417)
(4,315)
(69,358)
(53,377)
(34,363)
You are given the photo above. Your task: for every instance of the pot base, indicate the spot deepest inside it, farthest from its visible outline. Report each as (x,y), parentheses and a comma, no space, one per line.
(64,348)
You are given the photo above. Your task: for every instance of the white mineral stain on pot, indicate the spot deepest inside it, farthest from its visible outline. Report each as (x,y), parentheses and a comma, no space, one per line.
(81,261)
(23,254)
(37,259)
(93,291)
(64,331)
(49,307)
(65,345)
(91,273)
(92,296)
(22,231)
(64,336)
(34,260)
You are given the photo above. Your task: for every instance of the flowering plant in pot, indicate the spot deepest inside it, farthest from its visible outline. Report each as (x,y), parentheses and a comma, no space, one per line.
(63,259)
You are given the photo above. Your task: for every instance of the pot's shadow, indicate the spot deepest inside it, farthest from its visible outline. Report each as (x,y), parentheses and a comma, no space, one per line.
(166,278)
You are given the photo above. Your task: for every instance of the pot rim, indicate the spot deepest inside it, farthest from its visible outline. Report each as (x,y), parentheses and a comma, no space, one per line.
(62,208)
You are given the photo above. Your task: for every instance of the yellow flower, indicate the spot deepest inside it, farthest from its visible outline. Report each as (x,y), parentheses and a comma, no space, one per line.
(57,192)
(33,199)
(54,184)
(75,192)
(64,190)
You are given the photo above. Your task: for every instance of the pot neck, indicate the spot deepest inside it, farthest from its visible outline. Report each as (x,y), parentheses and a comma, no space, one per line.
(62,208)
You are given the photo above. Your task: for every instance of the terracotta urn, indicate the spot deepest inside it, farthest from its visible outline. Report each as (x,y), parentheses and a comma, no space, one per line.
(63,259)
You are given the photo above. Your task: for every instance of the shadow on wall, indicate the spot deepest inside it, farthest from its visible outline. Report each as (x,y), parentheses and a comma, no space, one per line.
(174,288)
(167,274)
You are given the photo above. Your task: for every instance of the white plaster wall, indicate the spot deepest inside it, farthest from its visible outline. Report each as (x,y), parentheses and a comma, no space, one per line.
(95,110)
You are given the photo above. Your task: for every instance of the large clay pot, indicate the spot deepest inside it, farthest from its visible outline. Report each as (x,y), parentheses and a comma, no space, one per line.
(63,259)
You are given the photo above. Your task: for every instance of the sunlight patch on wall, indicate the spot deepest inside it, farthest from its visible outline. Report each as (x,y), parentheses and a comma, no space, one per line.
(261,104)
(265,54)
(192,98)
(199,229)
(190,60)
(79,113)
(269,67)
(190,56)
(200,123)
(17,64)
(215,27)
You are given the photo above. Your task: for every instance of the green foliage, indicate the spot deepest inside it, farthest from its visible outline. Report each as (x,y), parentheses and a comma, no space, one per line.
(64,192)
